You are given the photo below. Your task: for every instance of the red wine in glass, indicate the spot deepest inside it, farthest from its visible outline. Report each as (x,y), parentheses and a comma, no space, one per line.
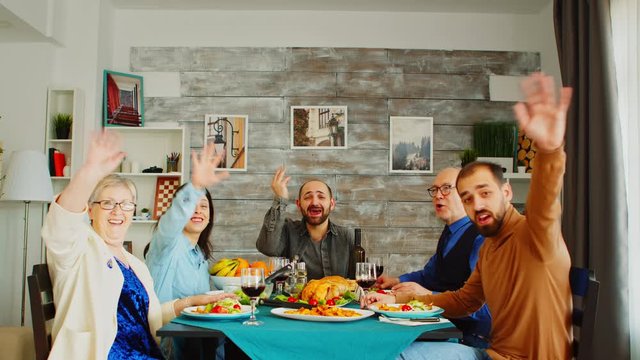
(252,291)
(379,269)
(366,283)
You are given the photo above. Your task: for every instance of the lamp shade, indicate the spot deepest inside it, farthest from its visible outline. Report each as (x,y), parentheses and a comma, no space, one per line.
(27,177)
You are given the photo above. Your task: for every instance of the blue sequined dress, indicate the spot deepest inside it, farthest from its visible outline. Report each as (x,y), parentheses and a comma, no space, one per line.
(133,339)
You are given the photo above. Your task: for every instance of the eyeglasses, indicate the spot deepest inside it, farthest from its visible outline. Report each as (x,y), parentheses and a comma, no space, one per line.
(444,190)
(110,205)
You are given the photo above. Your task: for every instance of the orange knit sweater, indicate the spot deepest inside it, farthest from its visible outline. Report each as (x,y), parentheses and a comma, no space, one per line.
(523,275)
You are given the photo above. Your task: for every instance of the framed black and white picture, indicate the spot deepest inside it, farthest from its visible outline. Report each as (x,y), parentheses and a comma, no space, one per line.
(410,144)
(229,135)
(318,127)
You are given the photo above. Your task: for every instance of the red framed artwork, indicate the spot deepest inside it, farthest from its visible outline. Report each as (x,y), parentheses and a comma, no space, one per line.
(165,188)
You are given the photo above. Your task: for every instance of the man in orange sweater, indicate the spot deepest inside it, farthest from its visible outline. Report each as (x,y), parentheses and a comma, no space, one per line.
(523,269)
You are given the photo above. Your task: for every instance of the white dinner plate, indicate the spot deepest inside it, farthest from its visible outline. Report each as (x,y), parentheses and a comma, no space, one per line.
(245,312)
(281,312)
(413,314)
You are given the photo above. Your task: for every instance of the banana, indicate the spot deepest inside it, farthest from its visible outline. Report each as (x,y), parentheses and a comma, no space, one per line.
(228,270)
(221,264)
(232,271)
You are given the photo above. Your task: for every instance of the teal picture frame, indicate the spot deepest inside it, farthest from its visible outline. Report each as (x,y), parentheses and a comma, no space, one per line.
(122,99)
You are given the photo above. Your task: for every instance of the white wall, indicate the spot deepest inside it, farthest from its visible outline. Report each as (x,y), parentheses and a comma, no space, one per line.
(95,36)
(334,29)
(25,72)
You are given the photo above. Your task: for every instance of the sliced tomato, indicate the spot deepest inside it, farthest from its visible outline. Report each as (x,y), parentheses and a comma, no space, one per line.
(313,302)
(218,309)
(406,307)
(291,299)
(380,291)
(237,306)
(330,302)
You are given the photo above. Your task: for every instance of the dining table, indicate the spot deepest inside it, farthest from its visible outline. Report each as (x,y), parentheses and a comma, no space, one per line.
(283,338)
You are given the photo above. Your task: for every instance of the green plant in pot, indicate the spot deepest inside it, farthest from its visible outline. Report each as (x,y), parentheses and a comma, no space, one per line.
(62,125)
(496,139)
(468,156)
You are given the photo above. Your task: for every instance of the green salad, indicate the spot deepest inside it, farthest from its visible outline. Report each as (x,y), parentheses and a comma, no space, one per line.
(418,305)
(224,306)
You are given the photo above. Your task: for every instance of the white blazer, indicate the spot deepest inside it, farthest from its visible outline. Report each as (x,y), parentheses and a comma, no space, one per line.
(86,288)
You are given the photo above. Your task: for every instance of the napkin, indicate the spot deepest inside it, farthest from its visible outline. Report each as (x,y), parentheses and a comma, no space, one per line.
(408,322)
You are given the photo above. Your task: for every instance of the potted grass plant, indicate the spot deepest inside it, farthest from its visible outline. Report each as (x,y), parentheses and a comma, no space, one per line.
(62,125)
(496,141)
(468,156)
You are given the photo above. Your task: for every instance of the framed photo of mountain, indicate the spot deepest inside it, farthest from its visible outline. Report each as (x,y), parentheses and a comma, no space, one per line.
(410,145)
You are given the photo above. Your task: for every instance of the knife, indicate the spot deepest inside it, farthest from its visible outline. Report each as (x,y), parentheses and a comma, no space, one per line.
(278,303)
(427,319)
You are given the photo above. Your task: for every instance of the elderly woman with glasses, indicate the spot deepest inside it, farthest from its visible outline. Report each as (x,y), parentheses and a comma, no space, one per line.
(105,303)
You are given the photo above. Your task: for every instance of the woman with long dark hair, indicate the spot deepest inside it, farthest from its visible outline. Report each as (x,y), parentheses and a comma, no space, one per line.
(180,247)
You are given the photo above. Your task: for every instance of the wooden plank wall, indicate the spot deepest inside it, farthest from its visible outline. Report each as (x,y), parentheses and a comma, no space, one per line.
(394,211)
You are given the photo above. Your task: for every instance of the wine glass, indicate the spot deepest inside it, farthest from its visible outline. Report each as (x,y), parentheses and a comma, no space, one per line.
(275,264)
(252,284)
(378,262)
(365,275)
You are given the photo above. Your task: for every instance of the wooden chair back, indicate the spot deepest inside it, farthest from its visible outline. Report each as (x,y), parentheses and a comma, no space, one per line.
(42,309)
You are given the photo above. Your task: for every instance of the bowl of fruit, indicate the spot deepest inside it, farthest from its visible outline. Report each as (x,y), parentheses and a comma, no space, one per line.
(226,272)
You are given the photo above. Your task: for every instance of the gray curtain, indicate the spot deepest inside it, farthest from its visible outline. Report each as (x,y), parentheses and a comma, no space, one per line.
(594,220)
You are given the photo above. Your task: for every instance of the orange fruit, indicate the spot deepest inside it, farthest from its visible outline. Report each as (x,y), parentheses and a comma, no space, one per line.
(242,264)
(260,265)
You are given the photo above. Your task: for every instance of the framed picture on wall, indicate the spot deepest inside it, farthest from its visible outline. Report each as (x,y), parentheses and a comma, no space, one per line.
(229,134)
(318,127)
(410,144)
(122,99)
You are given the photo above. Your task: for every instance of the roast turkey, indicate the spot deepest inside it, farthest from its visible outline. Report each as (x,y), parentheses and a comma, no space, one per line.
(327,288)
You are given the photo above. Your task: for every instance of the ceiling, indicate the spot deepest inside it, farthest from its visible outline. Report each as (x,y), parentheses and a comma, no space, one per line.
(475,6)
(13,29)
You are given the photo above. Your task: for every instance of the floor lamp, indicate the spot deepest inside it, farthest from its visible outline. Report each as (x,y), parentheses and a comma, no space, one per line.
(28,181)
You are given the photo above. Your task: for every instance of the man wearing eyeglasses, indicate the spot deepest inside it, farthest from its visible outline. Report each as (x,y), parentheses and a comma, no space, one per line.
(455,258)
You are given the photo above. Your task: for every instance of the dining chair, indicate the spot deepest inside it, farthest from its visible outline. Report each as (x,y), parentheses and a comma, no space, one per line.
(584,288)
(42,309)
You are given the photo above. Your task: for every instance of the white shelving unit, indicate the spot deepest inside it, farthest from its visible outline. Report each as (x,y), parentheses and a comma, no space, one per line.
(147,147)
(69,101)
(520,185)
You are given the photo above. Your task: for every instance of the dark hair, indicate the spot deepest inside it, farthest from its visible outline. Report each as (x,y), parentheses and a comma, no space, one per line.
(203,240)
(146,250)
(472,167)
(308,181)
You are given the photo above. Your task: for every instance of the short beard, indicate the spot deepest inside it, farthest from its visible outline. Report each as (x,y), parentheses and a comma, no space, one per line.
(316,221)
(490,231)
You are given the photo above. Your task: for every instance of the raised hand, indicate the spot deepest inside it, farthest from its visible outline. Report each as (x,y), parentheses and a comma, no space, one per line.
(542,117)
(203,167)
(279,183)
(105,153)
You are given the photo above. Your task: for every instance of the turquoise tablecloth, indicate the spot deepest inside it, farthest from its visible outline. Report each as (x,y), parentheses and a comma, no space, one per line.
(281,338)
